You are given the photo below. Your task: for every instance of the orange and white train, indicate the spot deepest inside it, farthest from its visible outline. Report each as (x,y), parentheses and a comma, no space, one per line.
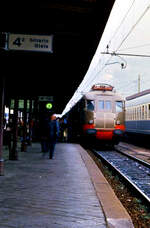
(99,115)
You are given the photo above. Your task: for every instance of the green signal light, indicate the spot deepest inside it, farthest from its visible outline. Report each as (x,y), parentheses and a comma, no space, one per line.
(49,105)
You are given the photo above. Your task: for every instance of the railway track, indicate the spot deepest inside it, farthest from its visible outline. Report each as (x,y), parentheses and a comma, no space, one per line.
(134,171)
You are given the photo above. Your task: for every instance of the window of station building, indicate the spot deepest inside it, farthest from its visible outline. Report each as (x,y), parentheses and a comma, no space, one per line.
(101,105)
(108,105)
(12,103)
(21,104)
(90,105)
(119,106)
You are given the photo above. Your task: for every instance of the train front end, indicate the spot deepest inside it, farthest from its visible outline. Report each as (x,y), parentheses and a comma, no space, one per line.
(104,114)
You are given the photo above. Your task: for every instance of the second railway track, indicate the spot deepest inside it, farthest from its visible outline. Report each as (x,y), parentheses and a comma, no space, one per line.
(136,172)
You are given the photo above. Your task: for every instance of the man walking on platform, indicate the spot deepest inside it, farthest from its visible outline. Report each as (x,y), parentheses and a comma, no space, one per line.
(53,134)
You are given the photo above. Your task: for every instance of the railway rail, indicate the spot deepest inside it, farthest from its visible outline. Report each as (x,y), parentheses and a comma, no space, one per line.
(134,171)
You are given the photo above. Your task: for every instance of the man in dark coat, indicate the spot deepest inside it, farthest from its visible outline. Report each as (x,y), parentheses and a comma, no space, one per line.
(53,134)
(44,133)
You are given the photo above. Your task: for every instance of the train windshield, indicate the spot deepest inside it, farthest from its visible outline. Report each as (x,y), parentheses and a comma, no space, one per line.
(90,105)
(108,105)
(101,105)
(119,106)
(104,105)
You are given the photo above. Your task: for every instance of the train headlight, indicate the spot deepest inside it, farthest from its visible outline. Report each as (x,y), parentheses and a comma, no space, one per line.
(91,121)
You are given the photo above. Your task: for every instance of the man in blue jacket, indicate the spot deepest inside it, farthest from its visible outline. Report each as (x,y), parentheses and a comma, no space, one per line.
(53,134)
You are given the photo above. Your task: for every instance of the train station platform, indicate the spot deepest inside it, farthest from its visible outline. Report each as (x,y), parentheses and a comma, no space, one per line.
(37,192)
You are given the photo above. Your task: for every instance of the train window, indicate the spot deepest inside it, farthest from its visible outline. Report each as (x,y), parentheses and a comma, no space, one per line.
(119,106)
(82,103)
(101,105)
(142,112)
(139,112)
(130,114)
(148,110)
(145,116)
(108,105)
(127,114)
(90,105)
(136,113)
(133,113)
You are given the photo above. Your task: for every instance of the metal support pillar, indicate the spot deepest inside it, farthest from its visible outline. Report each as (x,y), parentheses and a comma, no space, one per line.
(1,125)
(14,152)
(9,130)
(30,123)
(35,116)
(24,141)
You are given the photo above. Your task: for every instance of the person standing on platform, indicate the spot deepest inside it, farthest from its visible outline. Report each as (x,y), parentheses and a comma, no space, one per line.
(53,134)
(44,132)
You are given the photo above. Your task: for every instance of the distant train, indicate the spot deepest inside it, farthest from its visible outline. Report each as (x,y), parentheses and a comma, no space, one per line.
(99,115)
(138,113)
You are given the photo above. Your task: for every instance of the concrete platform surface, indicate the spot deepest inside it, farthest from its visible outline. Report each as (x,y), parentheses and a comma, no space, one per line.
(37,192)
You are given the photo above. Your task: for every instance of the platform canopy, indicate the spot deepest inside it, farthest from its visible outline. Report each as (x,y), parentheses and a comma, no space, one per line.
(76,27)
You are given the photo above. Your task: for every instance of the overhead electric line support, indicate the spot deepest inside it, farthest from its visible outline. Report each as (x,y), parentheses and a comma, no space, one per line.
(124,54)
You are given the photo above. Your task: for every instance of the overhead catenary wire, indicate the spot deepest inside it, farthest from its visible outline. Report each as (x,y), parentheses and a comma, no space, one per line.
(100,64)
(134,47)
(133,27)
(114,34)
(125,54)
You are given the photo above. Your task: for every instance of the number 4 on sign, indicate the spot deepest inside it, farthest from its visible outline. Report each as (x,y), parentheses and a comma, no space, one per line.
(18,41)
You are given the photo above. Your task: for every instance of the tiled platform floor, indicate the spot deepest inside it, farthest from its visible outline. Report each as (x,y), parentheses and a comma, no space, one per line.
(39,192)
